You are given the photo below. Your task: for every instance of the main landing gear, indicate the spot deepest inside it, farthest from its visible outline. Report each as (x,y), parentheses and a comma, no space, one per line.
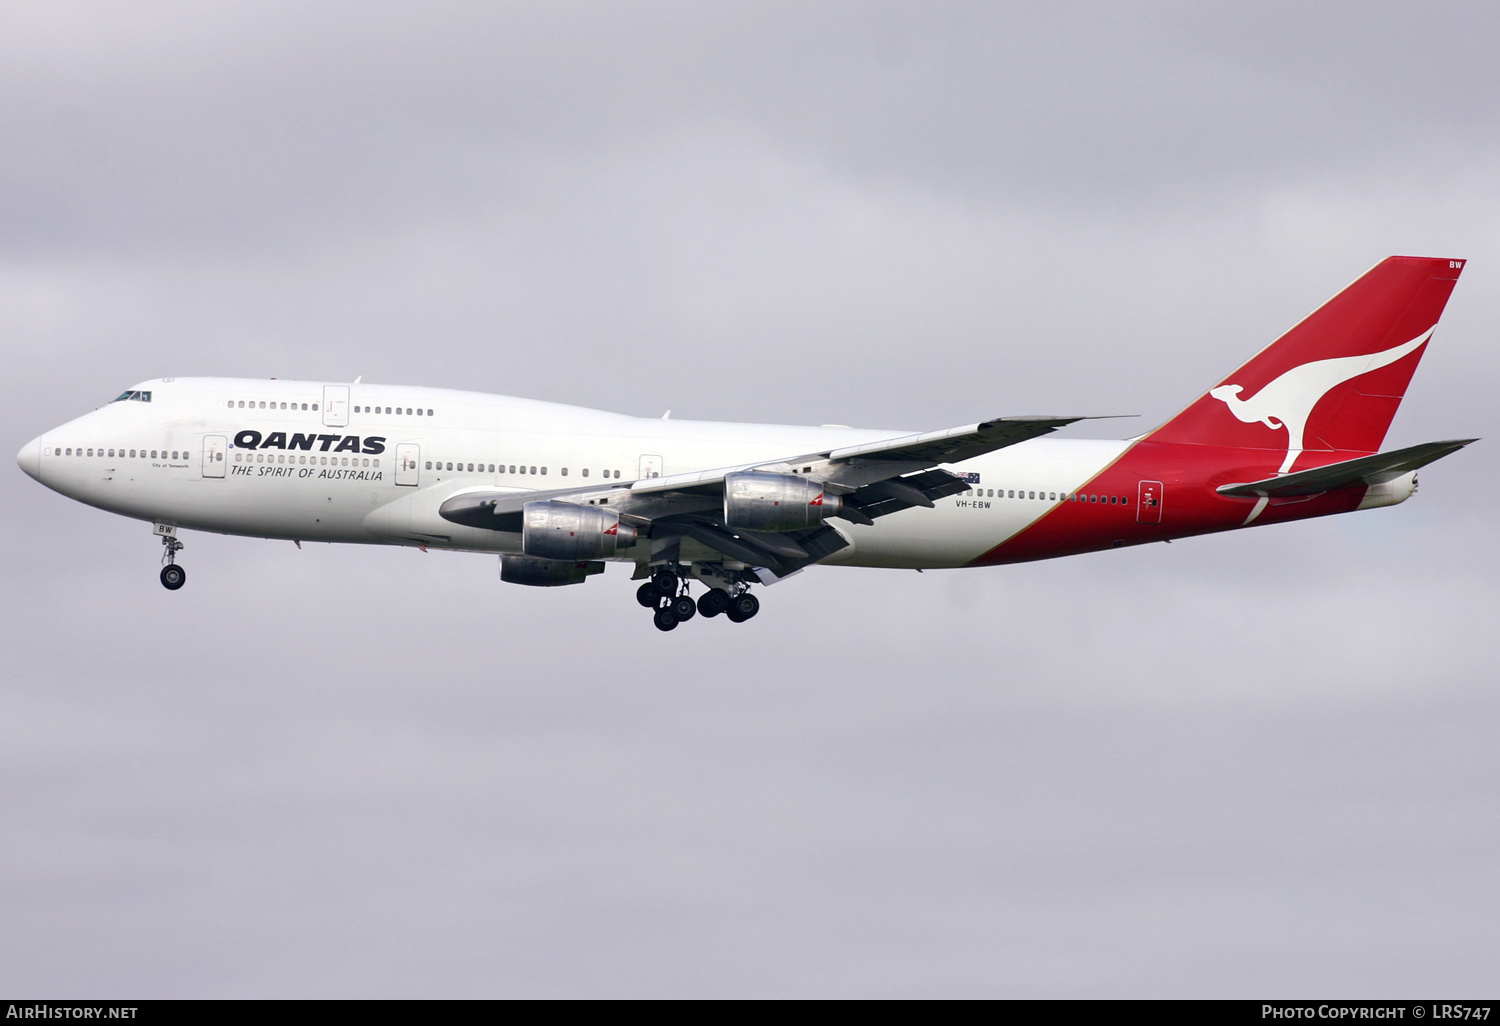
(172,575)
(667,594)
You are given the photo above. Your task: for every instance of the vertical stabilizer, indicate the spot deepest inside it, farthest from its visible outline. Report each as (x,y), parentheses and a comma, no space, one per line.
(1333,382)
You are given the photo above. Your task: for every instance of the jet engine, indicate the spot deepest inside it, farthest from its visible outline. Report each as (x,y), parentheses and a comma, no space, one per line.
(756,501)
(562,530)
(546,573)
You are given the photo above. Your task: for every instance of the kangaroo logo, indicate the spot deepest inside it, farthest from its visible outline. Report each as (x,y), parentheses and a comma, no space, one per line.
(1289,400)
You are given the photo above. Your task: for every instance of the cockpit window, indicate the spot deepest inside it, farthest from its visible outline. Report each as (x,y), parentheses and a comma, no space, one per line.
(138,396)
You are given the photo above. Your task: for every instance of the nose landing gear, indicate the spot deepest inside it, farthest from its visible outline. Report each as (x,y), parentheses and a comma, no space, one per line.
(172,575)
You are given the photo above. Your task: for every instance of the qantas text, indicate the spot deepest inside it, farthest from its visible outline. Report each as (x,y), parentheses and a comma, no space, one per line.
(374,445)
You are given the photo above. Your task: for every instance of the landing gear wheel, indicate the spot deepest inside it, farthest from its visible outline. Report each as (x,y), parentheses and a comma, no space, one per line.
(742,607)
(665,581)
(684,608)
(713,602)
(647,595)
(173,577)
(665,619)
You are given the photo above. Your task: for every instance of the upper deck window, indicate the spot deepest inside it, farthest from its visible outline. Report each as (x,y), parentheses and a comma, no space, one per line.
(138,396)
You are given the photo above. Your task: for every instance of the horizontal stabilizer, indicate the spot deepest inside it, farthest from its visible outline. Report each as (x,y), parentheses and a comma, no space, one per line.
(1367,470)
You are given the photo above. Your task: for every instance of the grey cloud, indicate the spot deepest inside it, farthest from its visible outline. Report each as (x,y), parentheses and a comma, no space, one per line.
(257,125)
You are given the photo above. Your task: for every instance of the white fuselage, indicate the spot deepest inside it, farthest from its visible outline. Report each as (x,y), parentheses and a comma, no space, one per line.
(339,463)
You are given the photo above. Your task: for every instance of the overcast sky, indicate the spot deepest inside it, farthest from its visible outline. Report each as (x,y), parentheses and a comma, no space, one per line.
(1260,764)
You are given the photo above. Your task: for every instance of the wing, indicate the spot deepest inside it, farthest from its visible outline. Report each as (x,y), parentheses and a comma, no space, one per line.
(873,479)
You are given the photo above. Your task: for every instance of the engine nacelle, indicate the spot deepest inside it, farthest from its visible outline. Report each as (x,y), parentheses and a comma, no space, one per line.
(546,573)
(562,530)
(755,501)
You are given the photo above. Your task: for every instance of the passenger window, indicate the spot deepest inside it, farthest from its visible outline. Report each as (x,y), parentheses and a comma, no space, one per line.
(533,470)
(617,473)
(544,471)
(429,412)
(565,472)
(315,406)
(585,471)
(429,465)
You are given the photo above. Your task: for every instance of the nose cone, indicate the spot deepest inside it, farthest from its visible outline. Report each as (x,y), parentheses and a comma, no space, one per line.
(30,458)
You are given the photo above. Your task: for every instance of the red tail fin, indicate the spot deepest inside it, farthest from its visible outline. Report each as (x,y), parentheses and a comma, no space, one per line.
(1334,381)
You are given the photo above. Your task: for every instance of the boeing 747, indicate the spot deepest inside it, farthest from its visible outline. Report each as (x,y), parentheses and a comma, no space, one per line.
(560,491)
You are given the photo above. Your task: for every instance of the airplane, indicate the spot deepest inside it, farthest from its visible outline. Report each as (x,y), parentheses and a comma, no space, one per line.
(559,491)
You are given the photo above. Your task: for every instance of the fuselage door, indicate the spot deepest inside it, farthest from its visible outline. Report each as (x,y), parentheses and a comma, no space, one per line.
(214,448)
(650,466)
(335,405)
(1148,505)
(408,463)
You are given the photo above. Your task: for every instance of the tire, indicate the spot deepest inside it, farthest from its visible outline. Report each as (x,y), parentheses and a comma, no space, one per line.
(742,607)
(173,577)
(665,581)
(647,595)
(713,602)
(665,619)
(684,608)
